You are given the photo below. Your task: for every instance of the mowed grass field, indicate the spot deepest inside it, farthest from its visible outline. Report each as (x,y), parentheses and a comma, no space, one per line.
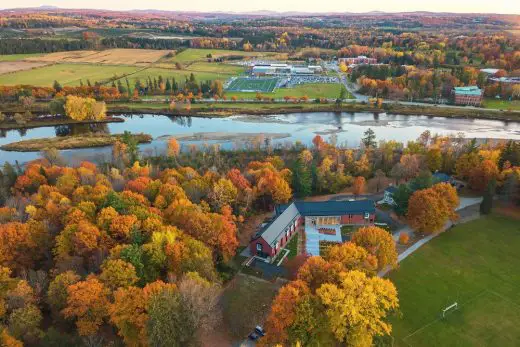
(18,57)
(477,265)
(192,55)
(502,104)
(313,91)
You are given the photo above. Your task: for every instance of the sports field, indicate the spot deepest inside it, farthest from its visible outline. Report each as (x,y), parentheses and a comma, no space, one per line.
(474,264)
(262,85)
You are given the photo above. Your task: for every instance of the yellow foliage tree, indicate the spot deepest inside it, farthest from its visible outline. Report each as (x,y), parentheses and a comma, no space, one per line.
(79,108)
(357,307)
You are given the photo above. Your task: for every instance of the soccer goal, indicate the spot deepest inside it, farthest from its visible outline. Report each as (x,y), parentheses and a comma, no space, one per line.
(450,308)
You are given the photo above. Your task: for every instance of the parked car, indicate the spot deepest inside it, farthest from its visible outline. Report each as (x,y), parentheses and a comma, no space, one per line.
(259,330)
(253,336)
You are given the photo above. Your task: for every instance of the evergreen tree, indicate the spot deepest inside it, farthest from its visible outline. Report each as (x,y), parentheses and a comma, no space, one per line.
(168,86)
(175,86)
(57,86)
(487,202)
(127,85)
(401,197)
(302,179)
(370,138)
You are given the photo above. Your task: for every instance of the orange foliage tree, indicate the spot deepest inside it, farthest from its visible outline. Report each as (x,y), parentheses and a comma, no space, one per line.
(430,209)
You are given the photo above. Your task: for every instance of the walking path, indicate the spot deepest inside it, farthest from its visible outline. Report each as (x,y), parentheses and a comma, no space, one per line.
(467,213)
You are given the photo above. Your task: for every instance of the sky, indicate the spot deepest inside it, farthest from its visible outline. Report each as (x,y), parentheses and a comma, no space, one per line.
(474,6)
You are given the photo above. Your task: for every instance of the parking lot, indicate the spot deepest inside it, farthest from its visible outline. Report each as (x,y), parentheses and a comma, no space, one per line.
(308,79)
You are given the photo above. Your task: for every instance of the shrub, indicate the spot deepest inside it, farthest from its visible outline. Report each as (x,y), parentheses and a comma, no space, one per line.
(404,238)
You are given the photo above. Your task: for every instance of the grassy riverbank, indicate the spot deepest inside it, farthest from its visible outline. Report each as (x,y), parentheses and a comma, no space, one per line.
(70,142)
(228,109)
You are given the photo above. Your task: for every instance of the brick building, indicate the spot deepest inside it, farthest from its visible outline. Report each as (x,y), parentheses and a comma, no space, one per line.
(360,60)
(320,220)
(471,95)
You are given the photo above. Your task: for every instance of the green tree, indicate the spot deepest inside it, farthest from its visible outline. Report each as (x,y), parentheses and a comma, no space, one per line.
(401,197)
(57,86)
(170,323)
(487,203)
(369,139)
(302,179)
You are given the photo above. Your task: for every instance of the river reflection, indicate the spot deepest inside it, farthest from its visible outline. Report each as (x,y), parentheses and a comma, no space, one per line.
(346,129)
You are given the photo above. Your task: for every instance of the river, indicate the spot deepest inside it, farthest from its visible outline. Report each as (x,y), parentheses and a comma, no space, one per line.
(348,129)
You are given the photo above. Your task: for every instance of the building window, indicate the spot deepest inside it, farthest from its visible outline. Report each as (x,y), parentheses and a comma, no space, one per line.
(259,247)
(367,215)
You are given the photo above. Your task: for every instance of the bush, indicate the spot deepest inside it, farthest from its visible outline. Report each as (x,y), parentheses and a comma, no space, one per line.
(404,238)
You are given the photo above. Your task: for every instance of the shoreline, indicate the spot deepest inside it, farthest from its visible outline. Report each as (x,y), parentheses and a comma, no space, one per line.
(223,110)
(70,142)
(55,121)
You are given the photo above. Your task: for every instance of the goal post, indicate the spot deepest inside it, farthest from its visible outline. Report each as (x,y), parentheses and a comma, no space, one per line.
(449,308)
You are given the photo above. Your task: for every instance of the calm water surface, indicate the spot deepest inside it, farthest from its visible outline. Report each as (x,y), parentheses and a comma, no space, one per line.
(347,127)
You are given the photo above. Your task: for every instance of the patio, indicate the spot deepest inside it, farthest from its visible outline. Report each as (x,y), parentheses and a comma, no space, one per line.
(313,237)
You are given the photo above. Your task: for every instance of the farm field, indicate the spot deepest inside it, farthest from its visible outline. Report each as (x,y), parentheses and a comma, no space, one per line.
(109,56)
(313,91)
(66,74)
(502,104)
(474,264)
(13,66)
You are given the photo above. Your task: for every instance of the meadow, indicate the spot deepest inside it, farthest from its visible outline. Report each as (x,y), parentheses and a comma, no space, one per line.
(474,264)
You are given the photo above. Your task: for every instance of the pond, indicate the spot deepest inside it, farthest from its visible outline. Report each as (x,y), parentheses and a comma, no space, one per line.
(238,131)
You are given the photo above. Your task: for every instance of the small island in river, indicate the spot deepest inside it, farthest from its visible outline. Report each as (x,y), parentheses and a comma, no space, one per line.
(71,142)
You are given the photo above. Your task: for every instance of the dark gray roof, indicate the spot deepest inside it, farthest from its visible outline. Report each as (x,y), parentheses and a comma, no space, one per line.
(391,189)
(441,177)
(285,214)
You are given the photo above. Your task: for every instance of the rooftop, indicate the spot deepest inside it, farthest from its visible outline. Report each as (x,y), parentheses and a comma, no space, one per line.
(285,214)
(469,90)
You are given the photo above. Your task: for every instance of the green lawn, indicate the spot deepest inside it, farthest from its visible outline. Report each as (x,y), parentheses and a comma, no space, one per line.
(246,303)
(217,67)
(502,104)
(317,90)
(191,55)
(18,57)
(66,74)
(474,264)
(180,75)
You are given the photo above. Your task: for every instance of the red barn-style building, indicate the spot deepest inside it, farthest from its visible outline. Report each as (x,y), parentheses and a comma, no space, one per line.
(288,219)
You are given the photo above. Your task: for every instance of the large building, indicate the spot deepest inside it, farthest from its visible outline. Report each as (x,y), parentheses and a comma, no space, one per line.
(360,60)
(284,69)
(321,221)
(471,95)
